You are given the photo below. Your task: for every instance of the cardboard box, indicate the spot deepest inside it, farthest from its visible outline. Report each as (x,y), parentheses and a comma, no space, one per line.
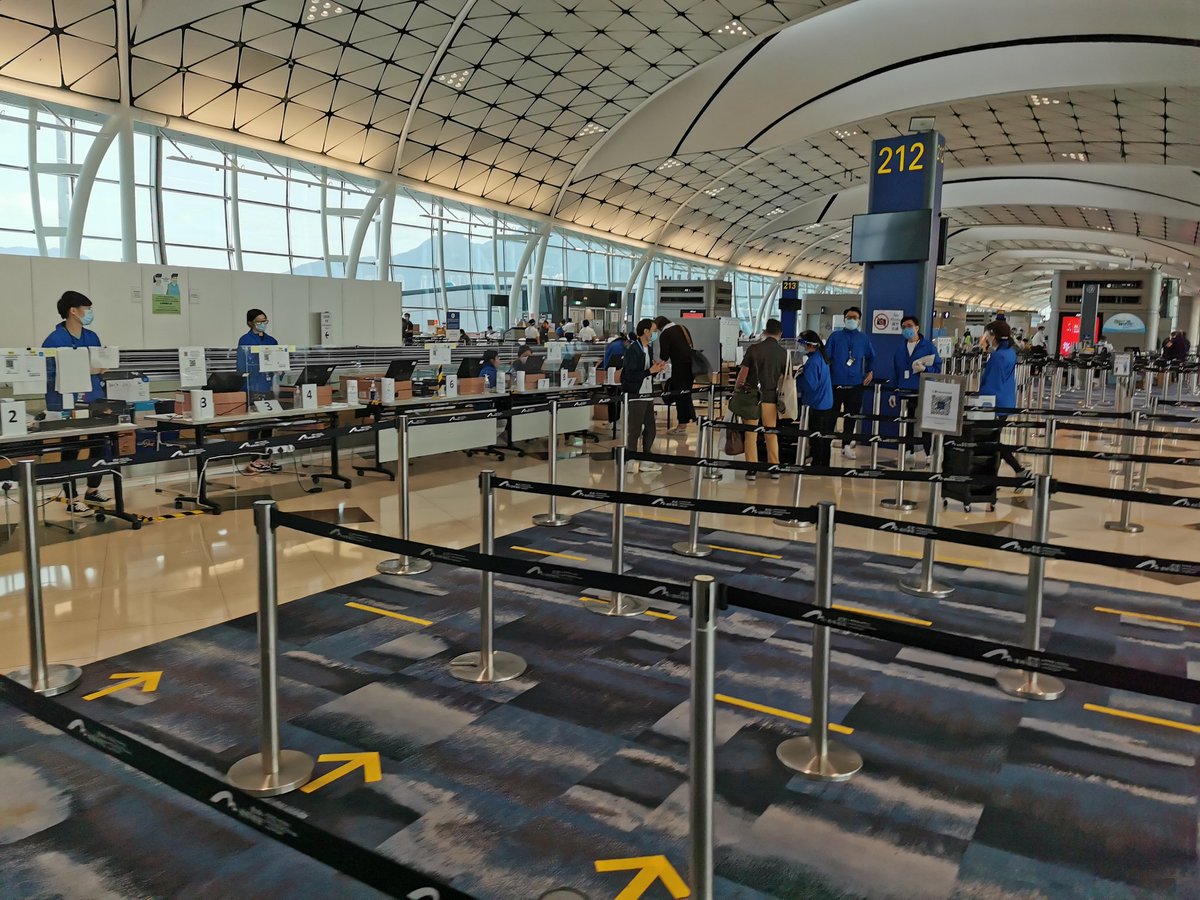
(288,394)
(225,404)
(471,385)
(127,443)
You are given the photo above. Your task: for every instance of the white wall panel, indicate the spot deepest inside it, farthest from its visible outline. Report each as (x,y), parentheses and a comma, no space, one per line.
(325,295)
(19,329)
(387,302)
(50,278)
(118,316)
(358,313)
(251,290)
(289,322)
(214,320)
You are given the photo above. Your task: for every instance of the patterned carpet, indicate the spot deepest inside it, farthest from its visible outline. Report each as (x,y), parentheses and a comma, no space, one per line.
(513,790)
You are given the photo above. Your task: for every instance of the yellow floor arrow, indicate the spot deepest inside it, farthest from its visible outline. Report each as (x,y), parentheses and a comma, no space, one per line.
(652,869)
(148,681)
(368,762)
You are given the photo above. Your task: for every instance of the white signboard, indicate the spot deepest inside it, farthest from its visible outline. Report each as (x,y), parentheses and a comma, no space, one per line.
(940,404)
(451,385)
(274,359)
(22,365)
(131,390)
(1123,364)
(308,396)
(73,371)
(202,406)
(388,390)
(267,406)
(193,371)
(554,353)
(945,346)
(105,357)
(886,321)
(12,418)
(439,354)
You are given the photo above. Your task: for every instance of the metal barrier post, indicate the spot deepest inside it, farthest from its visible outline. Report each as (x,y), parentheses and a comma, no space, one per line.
(1051,435)
(552,518)
(403,565)
(1124,524)
(801,455)
(489,665)
(38,676)
(1086,403)
(271,771)
(876,408)
(815,756)
(898,502)
(624,419)
(692,546)
(619,604)
(1034,685)
(1144,468)
(701,753)
(926,586)
(709,449)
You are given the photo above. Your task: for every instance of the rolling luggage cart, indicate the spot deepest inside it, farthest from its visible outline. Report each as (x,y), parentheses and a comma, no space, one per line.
(976,453)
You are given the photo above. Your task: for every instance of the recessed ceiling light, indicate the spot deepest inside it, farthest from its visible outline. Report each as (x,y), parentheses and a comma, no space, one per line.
(712,192)
(735,28)
(591,128)
(844,132)
(323,9)
(455,80)
(777,211)
(1081,157)
(670,163)
(1038,100)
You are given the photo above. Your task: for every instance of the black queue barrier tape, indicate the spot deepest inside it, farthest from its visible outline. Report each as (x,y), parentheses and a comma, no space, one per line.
(1011,656)
(500,565)
(1088,490)
(1131,432)
(276,822)
(1100,454)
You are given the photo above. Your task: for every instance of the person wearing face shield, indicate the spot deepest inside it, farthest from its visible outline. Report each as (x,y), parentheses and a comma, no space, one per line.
(816,392)
(258,383)
(851,369)
(75,310)
(913,358)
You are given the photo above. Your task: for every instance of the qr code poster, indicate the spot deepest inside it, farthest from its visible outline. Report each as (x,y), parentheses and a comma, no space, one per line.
(940,404)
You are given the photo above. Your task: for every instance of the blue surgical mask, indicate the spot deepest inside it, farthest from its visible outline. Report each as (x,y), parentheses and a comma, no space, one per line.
(851,325)
(653,336)
(801,352)
(261,327)
(88,317)
(909,333)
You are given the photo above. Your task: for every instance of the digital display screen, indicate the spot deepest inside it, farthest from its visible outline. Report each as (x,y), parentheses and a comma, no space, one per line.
(891,237)
(692,313)
(1068,333)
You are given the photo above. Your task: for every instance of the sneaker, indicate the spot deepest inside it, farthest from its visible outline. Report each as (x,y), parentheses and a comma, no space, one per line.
(651,467)
(848,451)
(774,476)
(79,508)
(259,467)
(751,476)
(95,497)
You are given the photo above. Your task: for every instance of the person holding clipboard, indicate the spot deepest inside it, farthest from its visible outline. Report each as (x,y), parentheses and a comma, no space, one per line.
(916,356)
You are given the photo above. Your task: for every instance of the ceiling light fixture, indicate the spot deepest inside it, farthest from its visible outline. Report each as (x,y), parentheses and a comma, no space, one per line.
(712,192)
(670,163)
(323,9)
(844,132)
(591,128)
(777,211)
(1038,100)
(455,80)
(1080,157)
(735,28)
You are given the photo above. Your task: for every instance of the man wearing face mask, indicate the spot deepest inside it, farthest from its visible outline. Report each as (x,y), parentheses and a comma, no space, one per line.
(72,332)
(258,383)
(914,357)
(851,369)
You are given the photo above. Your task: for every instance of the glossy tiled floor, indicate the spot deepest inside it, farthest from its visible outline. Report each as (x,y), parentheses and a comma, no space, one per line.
(110,589)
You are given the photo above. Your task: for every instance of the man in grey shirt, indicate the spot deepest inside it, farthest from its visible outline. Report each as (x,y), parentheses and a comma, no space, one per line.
(763,365)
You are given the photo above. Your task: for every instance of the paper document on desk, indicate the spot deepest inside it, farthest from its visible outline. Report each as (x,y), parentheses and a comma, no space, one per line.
(73,371)
(105,357)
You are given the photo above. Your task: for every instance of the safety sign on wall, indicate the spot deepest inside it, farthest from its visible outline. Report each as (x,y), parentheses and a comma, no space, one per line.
(886,321)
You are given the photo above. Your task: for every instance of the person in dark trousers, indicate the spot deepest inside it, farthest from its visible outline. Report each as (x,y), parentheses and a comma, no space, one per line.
(763,365)
(816,392)
(999,379)
(636,374)
(407,329)
(675,347)
(916,356)
(851,369)
(75,310)
(258,383)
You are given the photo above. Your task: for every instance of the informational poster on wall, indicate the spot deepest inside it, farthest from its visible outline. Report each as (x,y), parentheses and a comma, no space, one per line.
(166,298)
(193,371)
(453,326)
(940,404)
(886,321)
(730,328)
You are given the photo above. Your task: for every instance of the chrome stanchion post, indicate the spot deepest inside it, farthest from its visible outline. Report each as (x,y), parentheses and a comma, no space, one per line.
(1051,436)
(619,604)
(403,565)
(898,502)
(271,771)
(624,419)
(1124,524)
(1034,685)
(815,756)
(926,586)
(801,455)
(489,665)
(709,450)
(39,676)
(692,546)
(701,752)
(552,518)
(876,407)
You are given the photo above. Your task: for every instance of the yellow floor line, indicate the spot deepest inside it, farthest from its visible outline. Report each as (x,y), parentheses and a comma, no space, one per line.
(895,617)
(953,560)
(747,552)
(782,713)
(1146,616)
(389,614)
(1138,717)
(650,612)
(550,553)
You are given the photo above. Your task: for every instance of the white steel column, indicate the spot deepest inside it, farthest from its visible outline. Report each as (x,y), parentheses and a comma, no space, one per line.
(535,287)
(383,255)
(35,188)
(360,232)
(514,295)
(235,214)
(87,178)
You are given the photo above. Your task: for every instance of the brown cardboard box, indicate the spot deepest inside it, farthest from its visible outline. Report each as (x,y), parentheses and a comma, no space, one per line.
(404,389)
(127,443)
(230,404)
(469,385)
(324,395)
(531,381)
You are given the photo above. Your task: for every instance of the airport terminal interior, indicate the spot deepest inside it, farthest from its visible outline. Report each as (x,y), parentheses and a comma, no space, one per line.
(573,450)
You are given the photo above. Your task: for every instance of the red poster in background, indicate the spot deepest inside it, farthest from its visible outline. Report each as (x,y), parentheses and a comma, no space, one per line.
(1068,334)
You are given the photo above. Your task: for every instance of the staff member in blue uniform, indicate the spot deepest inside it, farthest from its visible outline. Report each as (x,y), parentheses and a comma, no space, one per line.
(851,368)
(999,378)
(258,383)
(488,368)
(916,356)
(72,332)
(816,392)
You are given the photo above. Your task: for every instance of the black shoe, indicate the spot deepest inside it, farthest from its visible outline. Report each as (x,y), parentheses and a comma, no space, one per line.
(751,476)
(95,497)
(774,476)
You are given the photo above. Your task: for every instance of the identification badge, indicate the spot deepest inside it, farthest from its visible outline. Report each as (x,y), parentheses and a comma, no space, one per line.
(850,362)
(907,374)
(647,386)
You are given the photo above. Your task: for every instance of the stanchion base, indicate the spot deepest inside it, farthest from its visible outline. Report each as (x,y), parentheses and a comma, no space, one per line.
(1030,685)
(903,505)
(1131,528)
(794,525)
(935,591)
(714,475)
(799,754)
(551,520)
(683,548)
(59,679)
(625,606)
(295,770)
(505,667)
(404,565)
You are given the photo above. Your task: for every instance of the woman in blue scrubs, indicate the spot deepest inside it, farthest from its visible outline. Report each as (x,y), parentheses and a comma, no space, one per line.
(1000,378)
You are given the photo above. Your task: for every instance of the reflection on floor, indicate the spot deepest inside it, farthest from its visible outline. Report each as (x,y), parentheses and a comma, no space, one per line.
(516,789)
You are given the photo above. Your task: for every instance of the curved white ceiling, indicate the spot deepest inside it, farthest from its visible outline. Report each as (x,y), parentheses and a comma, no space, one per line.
(1169,252)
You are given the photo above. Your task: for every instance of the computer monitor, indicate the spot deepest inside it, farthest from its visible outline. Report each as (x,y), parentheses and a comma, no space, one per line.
(534,364)
(318,375)
(226,382)
(401,369)
(469,368)
(571,363)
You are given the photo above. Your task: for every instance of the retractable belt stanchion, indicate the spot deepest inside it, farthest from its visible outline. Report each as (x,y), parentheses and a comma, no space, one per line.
(624,419)
(926,586)
(619,604)
(403,565)
(815,756)
(1144,467)
(552,518)
(709,449)
(1034,685)
(898,502)
(701,767)
(489,665)
(1051,434)
(692,546)
(271,771)
(1124,524)
(876,406)
(40,677)
(801,455)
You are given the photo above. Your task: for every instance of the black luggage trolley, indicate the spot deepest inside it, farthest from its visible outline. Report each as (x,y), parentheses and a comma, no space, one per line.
(976,455)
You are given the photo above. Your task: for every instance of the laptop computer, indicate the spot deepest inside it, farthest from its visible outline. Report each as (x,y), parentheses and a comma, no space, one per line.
(401,369)
(226,382)
(534,364)
(469,368)
(318,375)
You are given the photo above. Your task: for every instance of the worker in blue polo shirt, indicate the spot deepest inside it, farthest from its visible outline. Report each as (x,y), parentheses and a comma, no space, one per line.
(916,356)
(851,369)
(259,385)
(72,332)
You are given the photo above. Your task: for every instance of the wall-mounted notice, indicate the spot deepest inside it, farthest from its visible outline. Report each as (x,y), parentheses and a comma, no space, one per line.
(439,354)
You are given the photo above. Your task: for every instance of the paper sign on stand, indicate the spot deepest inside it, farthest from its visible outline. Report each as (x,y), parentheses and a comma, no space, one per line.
(22,365)
(554,353)
(940,404)
(591,376)
(563,375)
(12,418)
(105,357)
(451,385)
(267,406)
(73,371)
(543,383)
(945,346)
(388,390)
(351,388)
(193,371)
(273,359)
(439,354)
(202,405)
(308,396)
(131,390)
(1123,364)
